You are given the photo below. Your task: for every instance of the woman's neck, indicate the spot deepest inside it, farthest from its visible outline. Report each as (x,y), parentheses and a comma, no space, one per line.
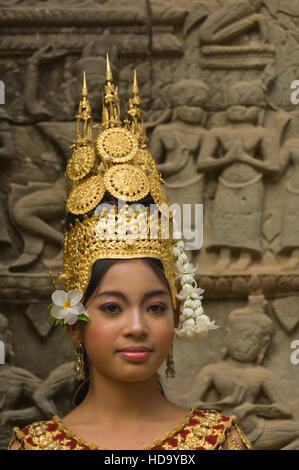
(108,399)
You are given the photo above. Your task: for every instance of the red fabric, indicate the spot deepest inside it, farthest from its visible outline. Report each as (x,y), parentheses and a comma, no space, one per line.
(218,426)
(29,439)
(60,436)
(193,422)
(224,418)
(52,426)
(26,430)
(71,443)
(172,442)
(182,433)
(211,439)
(199,413)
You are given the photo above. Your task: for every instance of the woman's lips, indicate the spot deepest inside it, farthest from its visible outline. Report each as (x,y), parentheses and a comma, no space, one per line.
(135,355)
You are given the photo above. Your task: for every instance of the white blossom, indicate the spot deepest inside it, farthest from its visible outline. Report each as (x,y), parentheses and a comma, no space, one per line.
(67,306)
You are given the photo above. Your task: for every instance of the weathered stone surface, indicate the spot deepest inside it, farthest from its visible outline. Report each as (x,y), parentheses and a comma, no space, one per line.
(215,79)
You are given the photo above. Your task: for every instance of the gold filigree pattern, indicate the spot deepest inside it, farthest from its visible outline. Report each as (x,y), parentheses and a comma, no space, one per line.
(146,162)
(82,248)
(117,144)
(199,430)
(86,195)
(241,433)
(81,162)
(126,182)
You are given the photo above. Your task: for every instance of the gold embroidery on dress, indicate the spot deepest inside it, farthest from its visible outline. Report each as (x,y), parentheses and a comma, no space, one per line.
(157,442)
(242,435)
(233,444)
(199,430)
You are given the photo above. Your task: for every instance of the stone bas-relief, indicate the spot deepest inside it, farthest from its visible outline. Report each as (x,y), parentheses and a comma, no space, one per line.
(178,142)
(245,152)
(15,384)
(255,394)
(215,77)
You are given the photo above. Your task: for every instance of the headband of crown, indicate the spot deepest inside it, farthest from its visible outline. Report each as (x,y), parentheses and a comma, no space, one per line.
(117,161)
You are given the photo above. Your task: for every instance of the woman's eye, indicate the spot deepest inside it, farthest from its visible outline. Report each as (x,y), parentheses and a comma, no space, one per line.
(110,308)
(158,308)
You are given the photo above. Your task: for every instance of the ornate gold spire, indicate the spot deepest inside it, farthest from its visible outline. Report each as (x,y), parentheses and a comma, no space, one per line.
(83,158)
(84,114)
(110,101)
(135,113)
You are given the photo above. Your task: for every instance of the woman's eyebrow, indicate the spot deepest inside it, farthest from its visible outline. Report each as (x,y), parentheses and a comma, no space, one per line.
(148,294)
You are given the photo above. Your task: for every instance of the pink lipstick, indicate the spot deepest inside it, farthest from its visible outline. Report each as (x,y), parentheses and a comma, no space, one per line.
(135,352)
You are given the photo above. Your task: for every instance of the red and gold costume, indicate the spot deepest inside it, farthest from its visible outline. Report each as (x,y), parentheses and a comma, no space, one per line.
(200,430)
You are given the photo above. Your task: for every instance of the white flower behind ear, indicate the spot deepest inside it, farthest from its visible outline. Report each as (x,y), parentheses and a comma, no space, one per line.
(67,307)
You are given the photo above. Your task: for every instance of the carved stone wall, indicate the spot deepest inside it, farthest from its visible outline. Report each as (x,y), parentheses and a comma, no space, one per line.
(217,82)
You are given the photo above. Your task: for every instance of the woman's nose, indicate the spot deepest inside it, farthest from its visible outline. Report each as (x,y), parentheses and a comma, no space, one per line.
(136,323)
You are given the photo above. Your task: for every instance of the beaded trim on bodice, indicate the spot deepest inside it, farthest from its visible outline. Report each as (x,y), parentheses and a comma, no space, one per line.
(200,430)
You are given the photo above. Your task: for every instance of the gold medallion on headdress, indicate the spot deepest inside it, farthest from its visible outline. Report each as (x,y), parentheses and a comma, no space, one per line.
(117,144)
(86,195)
(126,182)
(81,162)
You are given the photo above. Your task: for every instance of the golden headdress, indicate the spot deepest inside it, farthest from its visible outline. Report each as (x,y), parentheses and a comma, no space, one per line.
(117,161)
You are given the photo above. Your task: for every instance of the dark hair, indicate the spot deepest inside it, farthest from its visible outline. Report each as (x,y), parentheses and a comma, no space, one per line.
(99,269)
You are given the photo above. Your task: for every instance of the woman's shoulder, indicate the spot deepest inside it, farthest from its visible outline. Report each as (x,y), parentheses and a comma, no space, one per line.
(206,430)
(45,435)
(222,431)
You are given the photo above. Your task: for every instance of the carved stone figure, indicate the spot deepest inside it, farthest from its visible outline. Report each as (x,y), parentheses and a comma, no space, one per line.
(243,151)
(59,381)
(16,384)
(175,145)
(289,157)
(233,19)
(242,384)
(6,152)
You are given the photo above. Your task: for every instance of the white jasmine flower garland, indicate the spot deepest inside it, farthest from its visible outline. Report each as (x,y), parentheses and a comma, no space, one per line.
(193,323)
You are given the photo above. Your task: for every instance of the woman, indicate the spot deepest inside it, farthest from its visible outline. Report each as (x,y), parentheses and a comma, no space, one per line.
(123,386)
(129,284)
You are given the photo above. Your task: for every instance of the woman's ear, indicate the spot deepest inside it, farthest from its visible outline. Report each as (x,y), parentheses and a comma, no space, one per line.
(74,332)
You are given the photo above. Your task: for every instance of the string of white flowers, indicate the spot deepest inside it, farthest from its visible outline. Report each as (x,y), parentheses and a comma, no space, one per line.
(193,323)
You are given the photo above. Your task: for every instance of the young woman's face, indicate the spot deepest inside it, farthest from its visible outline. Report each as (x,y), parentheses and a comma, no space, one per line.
(132,315)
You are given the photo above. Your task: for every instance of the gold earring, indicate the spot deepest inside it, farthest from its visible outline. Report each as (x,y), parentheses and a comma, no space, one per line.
(170,372)
(79,362)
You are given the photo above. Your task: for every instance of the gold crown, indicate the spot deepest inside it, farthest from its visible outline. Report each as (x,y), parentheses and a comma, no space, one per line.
(116,161)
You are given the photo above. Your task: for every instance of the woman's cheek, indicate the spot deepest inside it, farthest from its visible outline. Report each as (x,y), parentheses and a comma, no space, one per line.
(99,336)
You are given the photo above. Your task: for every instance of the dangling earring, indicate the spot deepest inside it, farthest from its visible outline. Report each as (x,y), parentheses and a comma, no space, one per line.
(170,372)
(79,362)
